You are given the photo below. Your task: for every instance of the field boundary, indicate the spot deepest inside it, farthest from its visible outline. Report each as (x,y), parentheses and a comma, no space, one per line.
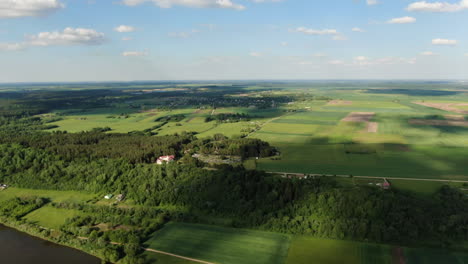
(177,256)
(301,175)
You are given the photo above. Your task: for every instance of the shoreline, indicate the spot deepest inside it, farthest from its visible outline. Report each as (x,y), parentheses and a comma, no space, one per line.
(18,228)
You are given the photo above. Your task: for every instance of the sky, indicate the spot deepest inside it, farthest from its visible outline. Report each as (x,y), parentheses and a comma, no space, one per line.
(129,40)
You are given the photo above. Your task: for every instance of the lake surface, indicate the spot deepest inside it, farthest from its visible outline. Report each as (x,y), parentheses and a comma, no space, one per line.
(20,248)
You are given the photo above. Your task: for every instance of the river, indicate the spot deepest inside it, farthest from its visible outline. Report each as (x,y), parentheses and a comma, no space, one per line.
(20,248)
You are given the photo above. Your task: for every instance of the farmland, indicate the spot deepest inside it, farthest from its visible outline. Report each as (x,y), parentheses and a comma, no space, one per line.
(221,245)
(222,199)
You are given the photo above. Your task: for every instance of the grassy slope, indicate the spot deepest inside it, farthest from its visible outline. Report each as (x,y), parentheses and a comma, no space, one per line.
(221,245)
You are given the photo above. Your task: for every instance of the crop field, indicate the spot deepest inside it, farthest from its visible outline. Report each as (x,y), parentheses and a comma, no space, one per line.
(309,250)
(221,245)
(414,130)
(51,217)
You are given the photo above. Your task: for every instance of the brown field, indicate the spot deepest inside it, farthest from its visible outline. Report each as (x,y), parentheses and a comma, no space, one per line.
(372,127)
(455,117)
(425,122)
(339,102)
(359,117)
(450,107)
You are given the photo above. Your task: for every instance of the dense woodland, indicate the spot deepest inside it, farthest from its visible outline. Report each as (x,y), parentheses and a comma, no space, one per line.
(100,163)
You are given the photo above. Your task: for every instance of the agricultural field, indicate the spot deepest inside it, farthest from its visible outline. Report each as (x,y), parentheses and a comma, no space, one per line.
(221,245)
(409,130)
(309,250)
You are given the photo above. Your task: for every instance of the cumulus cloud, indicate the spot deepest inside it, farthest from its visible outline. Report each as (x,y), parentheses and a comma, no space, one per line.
(24,8)
(124,29)
(126,38)
(424,6)
(402,20)
(135,53)
(320,32)
(444,42)
(372,2)
(310,31)
(356,29)
(366,61)
(284,43)
(427,53)
(69,36)
(188,3)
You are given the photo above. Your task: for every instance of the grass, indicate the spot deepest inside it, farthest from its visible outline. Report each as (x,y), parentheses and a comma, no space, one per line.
(220,244)
(54,196)
(51,217)
(309,250)
(152,257)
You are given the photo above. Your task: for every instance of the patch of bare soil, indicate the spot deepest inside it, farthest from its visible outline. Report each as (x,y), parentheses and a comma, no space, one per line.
(454,117)
(450,107)
(339,102)
(425,122)
(359,117)
(372,127)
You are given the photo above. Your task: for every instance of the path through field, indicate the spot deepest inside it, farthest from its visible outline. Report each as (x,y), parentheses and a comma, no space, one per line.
(177,256)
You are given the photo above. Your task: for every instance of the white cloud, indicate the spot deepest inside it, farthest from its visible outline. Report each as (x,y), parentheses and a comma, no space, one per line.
(444,42)
(402,20)
(69,36)
(310,31)
(339,37)
(366,61)
(126,38)
(424,6)
(255,54)
(356,29)
(188,3)
(135,53)
(11,46)
(336,62)
(124,29)
(23,8)
(427,53)
(372,2)
(284,43)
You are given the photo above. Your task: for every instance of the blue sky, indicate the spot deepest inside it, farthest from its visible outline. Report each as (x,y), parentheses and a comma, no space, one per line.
(111,40)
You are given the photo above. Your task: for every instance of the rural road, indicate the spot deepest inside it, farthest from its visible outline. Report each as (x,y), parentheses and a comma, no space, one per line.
(367,177)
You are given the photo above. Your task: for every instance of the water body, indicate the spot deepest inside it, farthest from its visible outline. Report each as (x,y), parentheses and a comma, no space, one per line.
(20,248)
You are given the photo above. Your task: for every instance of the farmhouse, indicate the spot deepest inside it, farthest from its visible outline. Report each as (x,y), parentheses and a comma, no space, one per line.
(165,159)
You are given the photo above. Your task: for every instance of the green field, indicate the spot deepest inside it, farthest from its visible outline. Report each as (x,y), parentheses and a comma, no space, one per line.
(308,250)
(221,245)
(54,196)
(51,217)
